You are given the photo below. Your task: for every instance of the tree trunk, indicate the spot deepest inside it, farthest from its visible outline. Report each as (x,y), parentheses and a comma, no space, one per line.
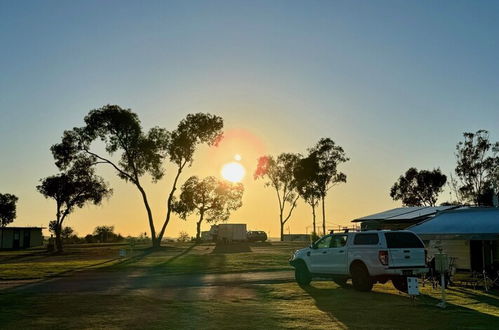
(169,204)
(156,242)
(149,216)
(198,230)
(282,231)
(58,239)
(313,219)
(323,217)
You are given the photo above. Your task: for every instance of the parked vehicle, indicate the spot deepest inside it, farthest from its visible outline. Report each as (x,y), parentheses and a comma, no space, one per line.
(256,235)
(226,232)
(365,257)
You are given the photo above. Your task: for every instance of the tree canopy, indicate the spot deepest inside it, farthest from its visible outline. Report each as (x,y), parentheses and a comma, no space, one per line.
(477,168)
(305,174)
(211,199)
(418,188)
(7,209)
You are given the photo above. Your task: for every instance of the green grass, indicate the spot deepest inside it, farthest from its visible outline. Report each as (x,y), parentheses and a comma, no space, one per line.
(323,305)
(243,306)
(38,263)
(210,258)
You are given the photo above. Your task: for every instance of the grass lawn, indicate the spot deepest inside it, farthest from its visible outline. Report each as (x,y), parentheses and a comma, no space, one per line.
(210,258)
(240,306)
(37,263)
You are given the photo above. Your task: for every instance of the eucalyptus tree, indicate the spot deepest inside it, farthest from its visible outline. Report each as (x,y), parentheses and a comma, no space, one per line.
(210,199)
(328,156)
(305,174)
(193,130)
(121,132)
(133,153)
(477,168)
(7,209)
(73,188)
(278,173)
(418,188)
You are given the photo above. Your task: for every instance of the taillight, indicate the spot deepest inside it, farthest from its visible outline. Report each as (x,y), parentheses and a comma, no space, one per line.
(383,257)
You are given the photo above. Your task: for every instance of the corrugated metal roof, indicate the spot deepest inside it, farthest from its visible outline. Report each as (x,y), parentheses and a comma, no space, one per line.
(405,213)
(465,221)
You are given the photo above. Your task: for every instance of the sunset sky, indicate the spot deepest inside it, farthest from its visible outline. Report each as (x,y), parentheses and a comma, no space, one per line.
(395,83)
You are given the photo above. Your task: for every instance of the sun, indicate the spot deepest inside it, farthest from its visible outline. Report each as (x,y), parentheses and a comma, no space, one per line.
(233,172)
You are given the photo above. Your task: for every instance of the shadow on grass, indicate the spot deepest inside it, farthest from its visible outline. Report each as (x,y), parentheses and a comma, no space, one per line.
(380,310)
(231,248)
(490,298)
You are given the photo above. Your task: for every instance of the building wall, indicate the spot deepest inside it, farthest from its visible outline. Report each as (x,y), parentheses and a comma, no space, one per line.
(7,237)
(460,249)
(36,237)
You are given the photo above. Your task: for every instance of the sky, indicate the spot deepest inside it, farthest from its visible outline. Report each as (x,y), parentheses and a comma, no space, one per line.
(395,83)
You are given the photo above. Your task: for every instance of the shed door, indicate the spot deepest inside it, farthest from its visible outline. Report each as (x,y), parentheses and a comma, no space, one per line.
(17,239)
(26,238)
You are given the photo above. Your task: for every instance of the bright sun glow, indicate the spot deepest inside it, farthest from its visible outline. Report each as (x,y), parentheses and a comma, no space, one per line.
(233,172)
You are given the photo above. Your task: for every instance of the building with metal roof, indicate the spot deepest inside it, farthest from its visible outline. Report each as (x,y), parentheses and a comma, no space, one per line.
(469,235)
(401,217)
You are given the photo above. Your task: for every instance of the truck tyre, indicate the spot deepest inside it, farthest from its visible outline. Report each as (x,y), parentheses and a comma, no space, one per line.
(302,275)
(361,280)
(400,283)
(341,281)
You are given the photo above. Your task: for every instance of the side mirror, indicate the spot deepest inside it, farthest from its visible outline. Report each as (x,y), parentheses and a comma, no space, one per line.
(313,246)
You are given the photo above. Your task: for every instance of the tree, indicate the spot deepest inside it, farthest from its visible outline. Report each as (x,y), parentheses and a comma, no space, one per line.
(66,231)
(477,168)
(305,174)
(192,131)
(7,209)
(74,188)
(328,156)
(104,233)
(139,153)
(418,188)
(120,130)
(183,237)
(279,175)
(211,199)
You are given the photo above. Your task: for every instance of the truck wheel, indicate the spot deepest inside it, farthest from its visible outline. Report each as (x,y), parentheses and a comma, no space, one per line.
(400,283)
(341,281)
(360,278)
(302,275)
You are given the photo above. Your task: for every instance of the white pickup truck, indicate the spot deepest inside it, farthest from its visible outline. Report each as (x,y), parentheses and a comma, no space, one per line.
(366,257)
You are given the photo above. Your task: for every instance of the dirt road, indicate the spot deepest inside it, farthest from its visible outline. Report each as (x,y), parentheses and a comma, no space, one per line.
(183,287)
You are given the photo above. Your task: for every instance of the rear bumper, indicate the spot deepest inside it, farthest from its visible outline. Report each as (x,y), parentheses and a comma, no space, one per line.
(406,271)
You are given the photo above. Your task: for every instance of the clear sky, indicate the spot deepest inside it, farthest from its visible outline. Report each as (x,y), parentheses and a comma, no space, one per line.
(393,82)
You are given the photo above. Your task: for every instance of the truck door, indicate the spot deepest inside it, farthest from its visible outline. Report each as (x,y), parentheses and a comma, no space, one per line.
(319,255)
(338,255)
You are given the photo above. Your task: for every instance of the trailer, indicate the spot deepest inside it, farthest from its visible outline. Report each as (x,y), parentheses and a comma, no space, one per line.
(228,232)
